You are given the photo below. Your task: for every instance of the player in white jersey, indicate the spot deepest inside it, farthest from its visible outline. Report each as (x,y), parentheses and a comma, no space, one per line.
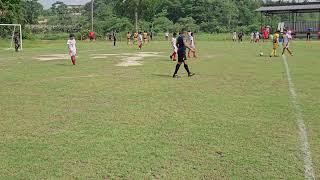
(285,43)
(234,37)
(72,48)
(192,46)
(173,56)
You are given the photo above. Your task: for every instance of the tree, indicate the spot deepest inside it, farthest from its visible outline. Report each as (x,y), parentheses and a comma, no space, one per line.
(32,10)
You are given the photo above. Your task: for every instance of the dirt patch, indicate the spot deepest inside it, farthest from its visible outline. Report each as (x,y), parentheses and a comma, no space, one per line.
(130,59)
(52,57)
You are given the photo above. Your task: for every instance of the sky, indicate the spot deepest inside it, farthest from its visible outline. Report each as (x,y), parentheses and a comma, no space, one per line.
(47,3)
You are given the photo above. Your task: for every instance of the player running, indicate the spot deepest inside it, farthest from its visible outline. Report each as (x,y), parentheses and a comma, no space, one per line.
(72,48)
(192,45)
(181,44)
(173,56)
(286,43)
(234,37)
(275,43)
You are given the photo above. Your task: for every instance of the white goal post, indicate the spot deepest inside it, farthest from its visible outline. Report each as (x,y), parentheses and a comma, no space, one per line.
(13,32)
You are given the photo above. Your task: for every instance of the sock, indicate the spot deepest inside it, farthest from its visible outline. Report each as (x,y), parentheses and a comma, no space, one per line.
(177,69)
(187,68)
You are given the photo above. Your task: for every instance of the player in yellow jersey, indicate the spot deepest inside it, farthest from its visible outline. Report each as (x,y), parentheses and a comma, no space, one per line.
(275,43)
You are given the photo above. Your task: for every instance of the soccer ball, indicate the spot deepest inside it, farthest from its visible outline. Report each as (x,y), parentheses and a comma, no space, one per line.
(261,54)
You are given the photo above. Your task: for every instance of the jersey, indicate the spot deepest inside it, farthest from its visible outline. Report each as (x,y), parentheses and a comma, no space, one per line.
(72,47)
(145,35)
(174,44)
(276,38)
(180,43)
(140,38)
(128,35)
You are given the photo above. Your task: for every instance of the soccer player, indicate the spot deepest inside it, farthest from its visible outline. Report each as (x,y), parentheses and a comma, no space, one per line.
(145,37)
(16,42)
(309,35)
(166,36)
(182,55)
(234,37)
(72,48)
(192,45)
(140,40)
(275,43)
(240,36)
(257,36)
(286,43)
(129,38)
(174,46)
(252,37)
(135,36)
(114,38)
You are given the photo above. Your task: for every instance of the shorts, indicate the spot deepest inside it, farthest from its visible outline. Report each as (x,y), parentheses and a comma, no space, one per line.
(275,45)
(73,53)
(181,55)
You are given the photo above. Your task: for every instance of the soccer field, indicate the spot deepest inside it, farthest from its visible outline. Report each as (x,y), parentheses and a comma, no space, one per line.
(106,119)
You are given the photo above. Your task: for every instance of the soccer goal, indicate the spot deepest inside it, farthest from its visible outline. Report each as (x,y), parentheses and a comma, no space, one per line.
(8,31)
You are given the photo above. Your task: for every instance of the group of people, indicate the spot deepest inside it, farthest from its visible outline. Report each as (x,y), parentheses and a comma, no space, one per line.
(139,38)
(283,38)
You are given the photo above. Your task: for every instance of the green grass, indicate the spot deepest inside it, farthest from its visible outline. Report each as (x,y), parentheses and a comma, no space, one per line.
(233,120)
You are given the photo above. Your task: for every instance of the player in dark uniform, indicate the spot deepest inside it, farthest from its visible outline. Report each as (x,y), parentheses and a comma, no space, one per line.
(182,55)
(16,42)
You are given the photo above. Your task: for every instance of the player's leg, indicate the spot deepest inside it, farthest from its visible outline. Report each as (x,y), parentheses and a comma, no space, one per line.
(189,53)
(290,52)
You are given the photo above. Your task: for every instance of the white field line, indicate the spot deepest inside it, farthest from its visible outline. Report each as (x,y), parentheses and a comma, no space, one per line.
(303,136)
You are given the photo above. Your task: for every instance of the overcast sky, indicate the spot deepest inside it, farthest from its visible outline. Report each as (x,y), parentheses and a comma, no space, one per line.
(47,3)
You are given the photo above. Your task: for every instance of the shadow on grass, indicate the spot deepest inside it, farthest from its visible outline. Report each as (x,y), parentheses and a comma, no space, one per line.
(162,75)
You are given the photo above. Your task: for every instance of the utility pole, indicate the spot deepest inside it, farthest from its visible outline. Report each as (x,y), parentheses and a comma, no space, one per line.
(92,15)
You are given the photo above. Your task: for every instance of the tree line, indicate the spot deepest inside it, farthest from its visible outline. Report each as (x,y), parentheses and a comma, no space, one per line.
(212,16)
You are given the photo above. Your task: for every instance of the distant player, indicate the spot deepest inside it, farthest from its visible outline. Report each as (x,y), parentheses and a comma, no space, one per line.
(72,48)
(182,55)
(234,37)
(135,37)
(286,42)
(16,42)
(140,40)
(309,35)
(275,43)
(173,56)
(257,36)
(166,36)
(114,37)
(128,38)
(240,36)
(192,46)
(145,37)
(290,35)
(91,36)
(252,37)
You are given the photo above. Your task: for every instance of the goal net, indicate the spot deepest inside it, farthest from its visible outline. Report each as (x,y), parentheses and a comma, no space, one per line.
(11,33)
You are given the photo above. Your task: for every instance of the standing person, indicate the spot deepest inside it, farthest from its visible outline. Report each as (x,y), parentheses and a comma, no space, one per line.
(145,37)
(151,36)
(114,38)
(182,55)
(192,46)
(252,37)
(166,36)
(286,42)
(91,35)
(173,56)
(240,36)
(16,42)
(290,34)
(234,37)
(309,35)
(275,43)
(135,36)
(140,40)
(128,38)
(72,48)
(257,36)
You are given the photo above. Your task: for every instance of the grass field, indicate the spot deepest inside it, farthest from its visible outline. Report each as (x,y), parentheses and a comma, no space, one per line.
(233,120)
